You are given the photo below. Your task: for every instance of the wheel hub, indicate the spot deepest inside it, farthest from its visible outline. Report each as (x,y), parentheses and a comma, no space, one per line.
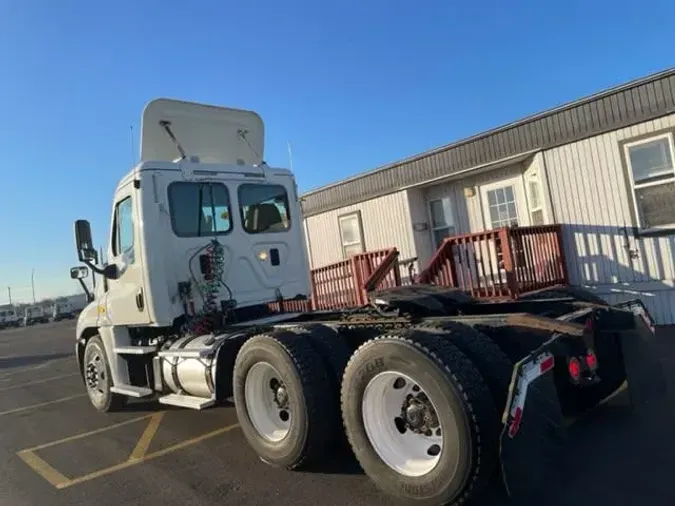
(280,393)
(419,414)
(267,402)
(92,376)
(402,423)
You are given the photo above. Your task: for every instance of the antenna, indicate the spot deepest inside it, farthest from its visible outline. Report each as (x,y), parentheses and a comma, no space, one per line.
(131,140)
(166,125)
(290,156)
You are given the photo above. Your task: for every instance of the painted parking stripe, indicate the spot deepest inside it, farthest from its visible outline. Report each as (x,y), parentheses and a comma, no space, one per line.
(146,438)
(41,404)
(137,456)
(37,382)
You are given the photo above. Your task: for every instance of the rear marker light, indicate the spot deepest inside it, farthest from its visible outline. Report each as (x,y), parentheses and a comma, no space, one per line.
(515,424)
(574,368)
(588,325)
(547,364)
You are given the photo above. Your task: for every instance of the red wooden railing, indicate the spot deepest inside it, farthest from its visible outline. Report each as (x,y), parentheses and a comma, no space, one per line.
(347,283)
(495,264)
(539,258)
(501,263)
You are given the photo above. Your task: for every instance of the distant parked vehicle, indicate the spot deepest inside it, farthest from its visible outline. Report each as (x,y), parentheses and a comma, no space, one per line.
(9,318)
(33,315)
(62,311)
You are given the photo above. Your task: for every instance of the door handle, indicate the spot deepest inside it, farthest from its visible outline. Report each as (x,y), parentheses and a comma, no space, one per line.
(140,303)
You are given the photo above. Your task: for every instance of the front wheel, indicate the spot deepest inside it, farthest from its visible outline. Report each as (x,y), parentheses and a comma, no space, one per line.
(420,419)
(97,378)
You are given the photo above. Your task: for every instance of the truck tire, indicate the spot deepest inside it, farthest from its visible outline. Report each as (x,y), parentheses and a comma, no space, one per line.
(282,395)
(333,349)
(97,377)
(492,363)
(417,385)
(335,354)
(227,354)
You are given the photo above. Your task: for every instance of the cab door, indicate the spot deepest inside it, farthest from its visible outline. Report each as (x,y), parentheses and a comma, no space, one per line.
(125,297)
(270,237)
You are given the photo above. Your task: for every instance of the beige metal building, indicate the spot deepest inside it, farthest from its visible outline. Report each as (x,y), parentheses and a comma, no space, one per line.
(602,166)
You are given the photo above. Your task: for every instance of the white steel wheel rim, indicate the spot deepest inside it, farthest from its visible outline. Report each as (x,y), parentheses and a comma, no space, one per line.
(408,453)
(269,418)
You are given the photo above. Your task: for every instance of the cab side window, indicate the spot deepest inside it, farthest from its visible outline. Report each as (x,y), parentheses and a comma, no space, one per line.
(123,232)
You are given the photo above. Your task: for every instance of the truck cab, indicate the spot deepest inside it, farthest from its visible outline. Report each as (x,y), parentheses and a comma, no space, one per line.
(202,223)
(33,315)
(61,310)
(9,318)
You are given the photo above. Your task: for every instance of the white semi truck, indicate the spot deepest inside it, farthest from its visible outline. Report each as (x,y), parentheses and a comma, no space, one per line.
(9,318)
(432,388)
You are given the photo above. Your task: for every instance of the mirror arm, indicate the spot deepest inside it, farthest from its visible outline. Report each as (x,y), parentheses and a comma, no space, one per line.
(95,268)
(90,297)
(110,271)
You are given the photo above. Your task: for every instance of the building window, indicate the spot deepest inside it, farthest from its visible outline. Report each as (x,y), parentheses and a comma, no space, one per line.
(502,207)
(199,209)
(264,208)
(442,220)
(123,231)
(652,178)
(351,234)
(536,202)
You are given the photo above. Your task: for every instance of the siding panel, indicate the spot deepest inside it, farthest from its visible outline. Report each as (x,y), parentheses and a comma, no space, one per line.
(386,222)
(591,200)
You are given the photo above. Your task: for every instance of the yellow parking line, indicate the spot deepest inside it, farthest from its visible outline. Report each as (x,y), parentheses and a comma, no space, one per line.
(31,368)
(86,434)
(150,456)
(44,469)
(144,442)
(36,382)
(34,406)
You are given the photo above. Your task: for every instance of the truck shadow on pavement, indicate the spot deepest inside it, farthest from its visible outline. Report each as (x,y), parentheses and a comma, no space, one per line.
(30,360)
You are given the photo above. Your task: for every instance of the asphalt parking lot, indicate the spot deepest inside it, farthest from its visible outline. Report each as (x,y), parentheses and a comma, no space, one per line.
(56,450)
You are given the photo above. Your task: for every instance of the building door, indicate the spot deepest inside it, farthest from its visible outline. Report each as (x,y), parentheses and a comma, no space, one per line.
(504,205)
(442,220)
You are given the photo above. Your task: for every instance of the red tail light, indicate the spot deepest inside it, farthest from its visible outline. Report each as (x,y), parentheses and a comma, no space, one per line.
(574,368)
(591,360)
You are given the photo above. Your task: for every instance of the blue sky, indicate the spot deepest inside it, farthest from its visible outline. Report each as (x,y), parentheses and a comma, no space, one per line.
(352,85)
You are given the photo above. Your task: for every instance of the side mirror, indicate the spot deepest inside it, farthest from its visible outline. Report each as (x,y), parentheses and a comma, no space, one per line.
(79,272)
(85,247)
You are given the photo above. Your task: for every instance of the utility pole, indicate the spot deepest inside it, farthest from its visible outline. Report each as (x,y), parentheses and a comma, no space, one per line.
(32,283)
(9,292)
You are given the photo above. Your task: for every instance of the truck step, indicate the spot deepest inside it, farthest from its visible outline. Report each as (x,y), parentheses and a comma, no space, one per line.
(135,350)
(186,401)
(191,353)
(132,391)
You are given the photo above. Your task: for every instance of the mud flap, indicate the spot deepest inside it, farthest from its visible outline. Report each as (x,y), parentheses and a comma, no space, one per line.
(533,429)
(647,385)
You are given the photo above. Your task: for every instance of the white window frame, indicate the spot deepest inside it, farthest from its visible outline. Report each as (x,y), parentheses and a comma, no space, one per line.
(448,211)
(631,179)
(534,179)
(359,225)
(515,202)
